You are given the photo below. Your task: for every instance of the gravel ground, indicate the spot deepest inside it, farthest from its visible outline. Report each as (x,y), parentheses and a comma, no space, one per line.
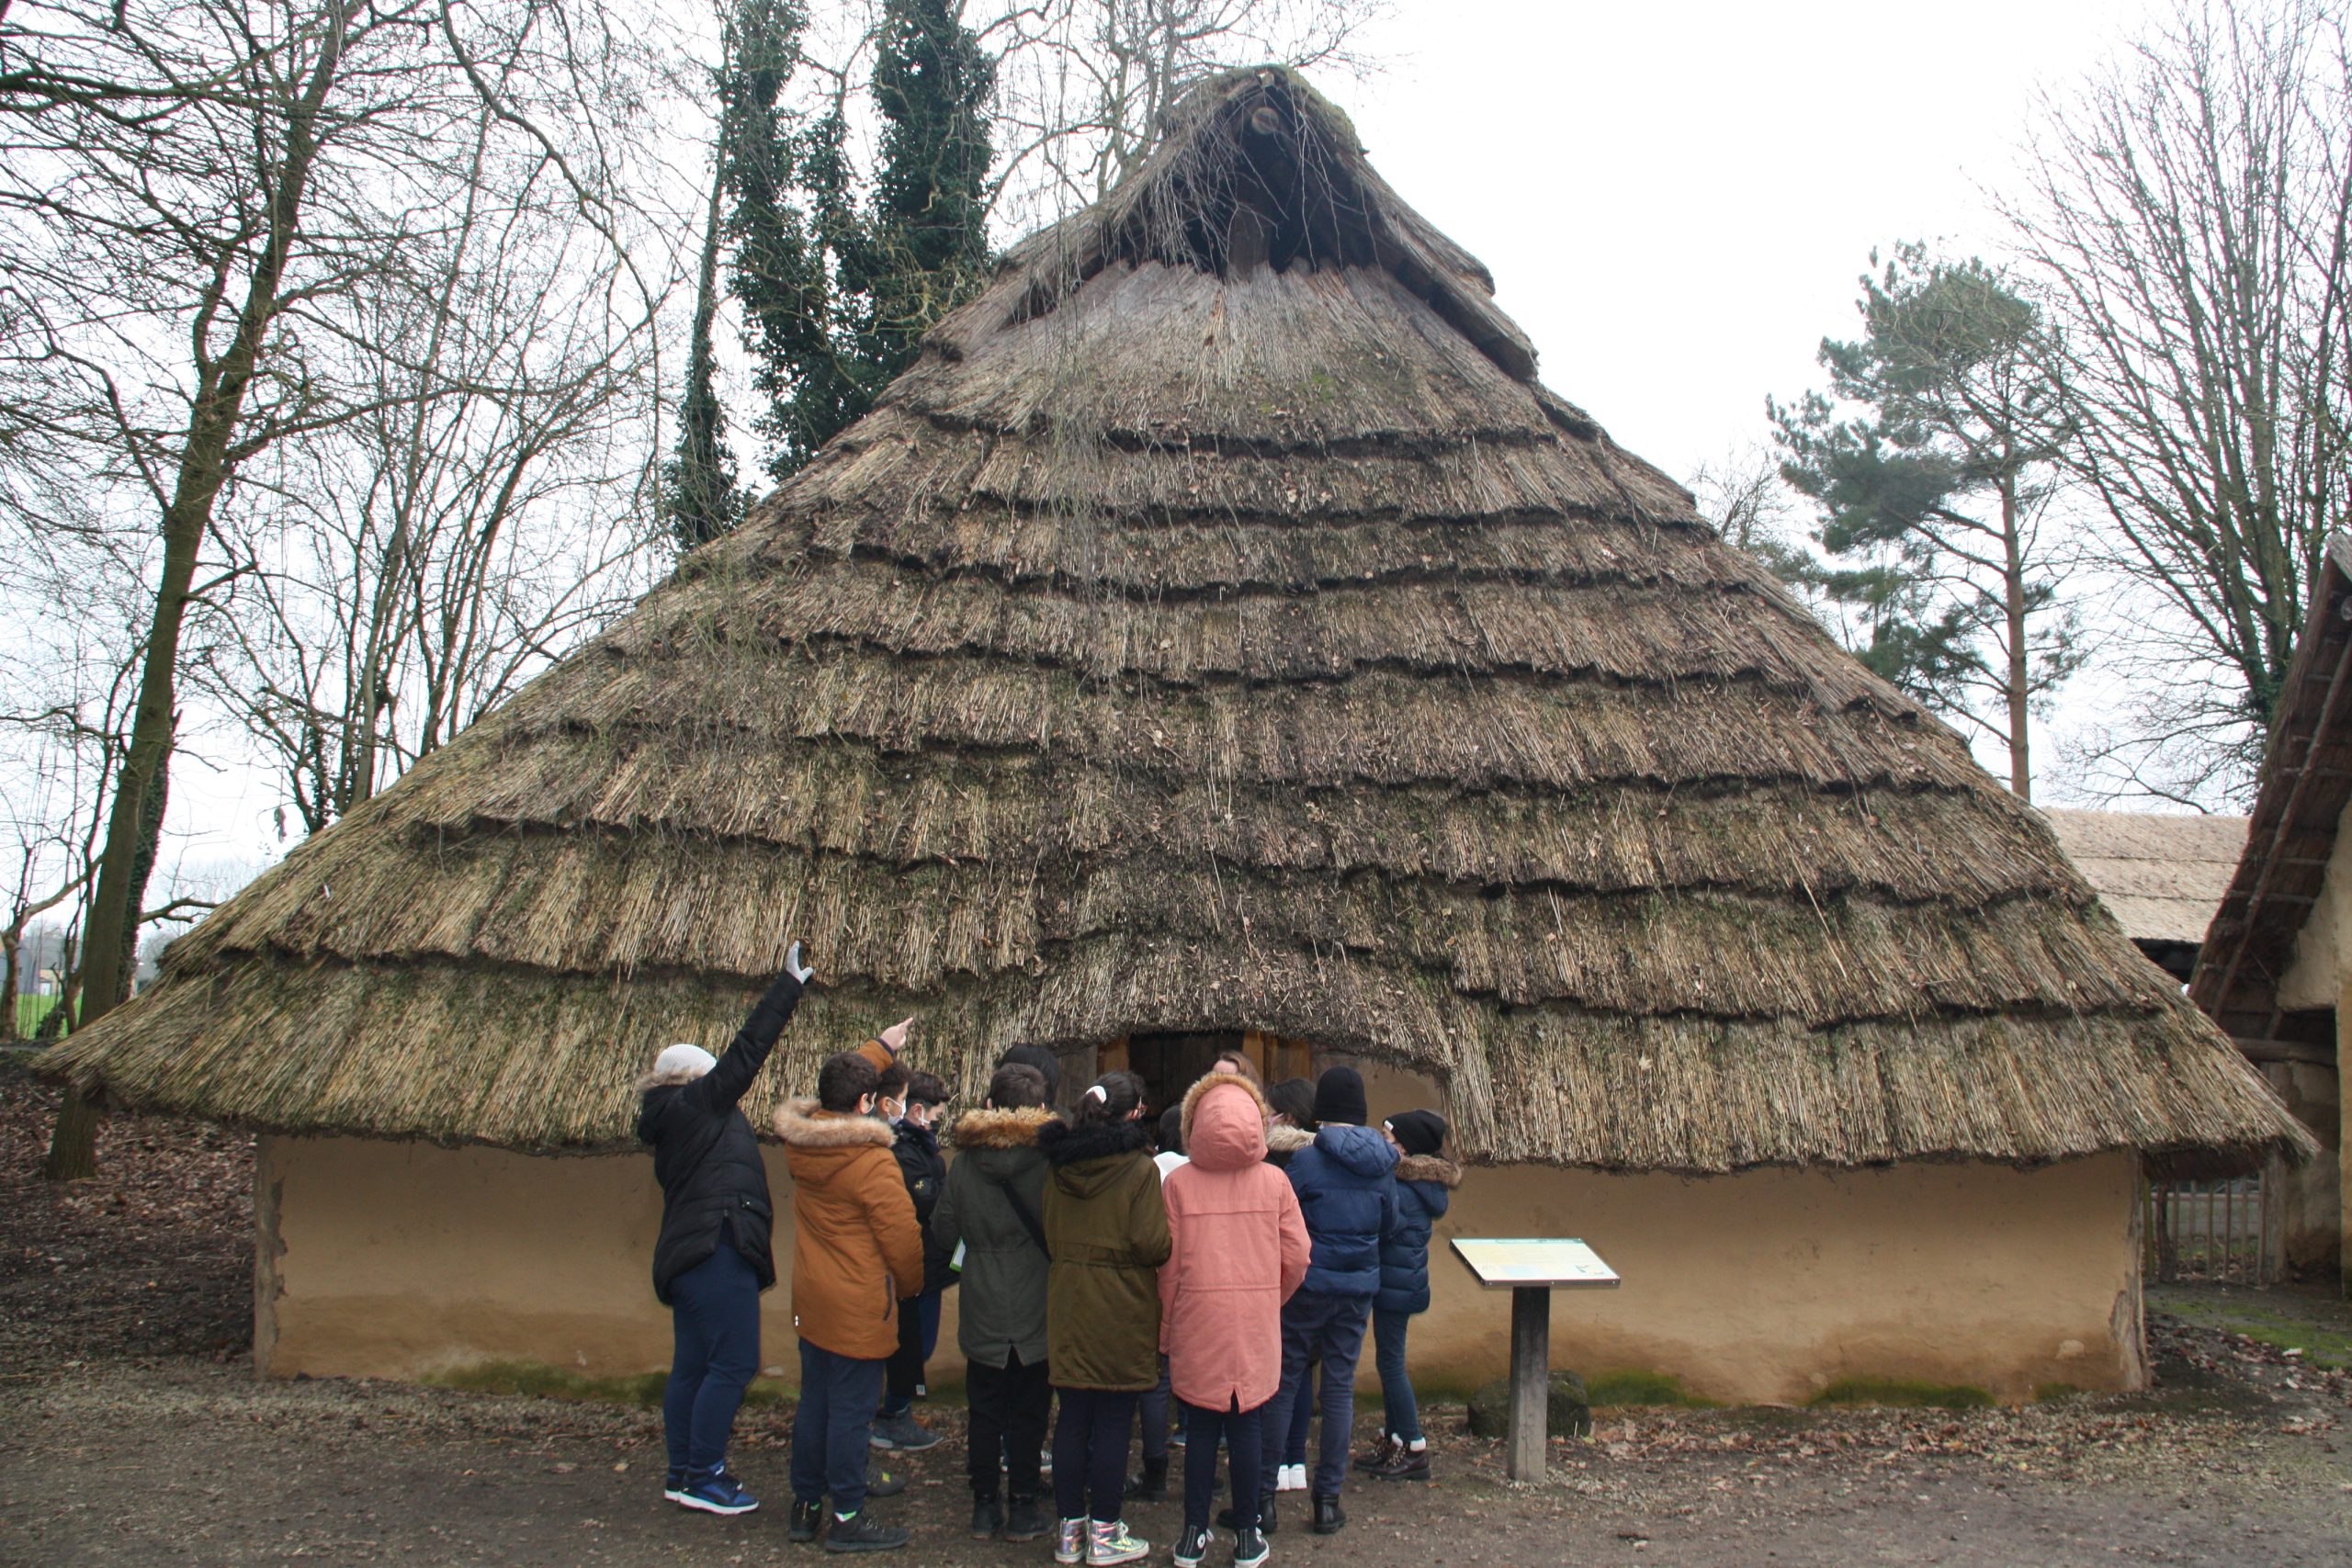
(131,1431)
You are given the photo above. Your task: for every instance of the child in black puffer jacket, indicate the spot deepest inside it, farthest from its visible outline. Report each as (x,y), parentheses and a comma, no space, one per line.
(914,1099)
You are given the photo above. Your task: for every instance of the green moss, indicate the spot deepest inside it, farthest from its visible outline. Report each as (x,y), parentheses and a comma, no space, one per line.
(535,1381)
(1634,1385)
(2045,1392)
(1903,1391)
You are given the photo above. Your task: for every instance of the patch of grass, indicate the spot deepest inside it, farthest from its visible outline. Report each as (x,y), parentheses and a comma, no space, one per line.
(1903,1393)
(2044,1392)
(1634,1385)
(2323,1345)
(538,1380)
(30,1011)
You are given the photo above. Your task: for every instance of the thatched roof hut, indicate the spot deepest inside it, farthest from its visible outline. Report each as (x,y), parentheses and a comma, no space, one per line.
(1219,627)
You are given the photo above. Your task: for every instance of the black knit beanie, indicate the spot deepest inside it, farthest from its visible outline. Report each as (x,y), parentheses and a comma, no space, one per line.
(1339,1097)
(1418,1131)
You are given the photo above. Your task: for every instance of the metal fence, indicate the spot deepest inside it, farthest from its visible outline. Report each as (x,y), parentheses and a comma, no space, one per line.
(2208,1230)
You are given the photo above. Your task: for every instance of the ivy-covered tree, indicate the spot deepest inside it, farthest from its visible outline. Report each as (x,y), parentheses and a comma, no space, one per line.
(700,499)
(837,292)
(1932,459)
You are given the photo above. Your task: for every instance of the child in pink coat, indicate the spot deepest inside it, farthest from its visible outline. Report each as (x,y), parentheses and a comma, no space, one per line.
(1238,1248)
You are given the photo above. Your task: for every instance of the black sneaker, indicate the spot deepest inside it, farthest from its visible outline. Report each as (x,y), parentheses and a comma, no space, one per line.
(1192,1545)
(1151,1486)
(807,1517)
(881,1483)
(862,1532)
(1266,1524)
(1024,1522)
(1329,1518)
(1249,1548)
(1407,1464)
(988,1517)
(716,1492)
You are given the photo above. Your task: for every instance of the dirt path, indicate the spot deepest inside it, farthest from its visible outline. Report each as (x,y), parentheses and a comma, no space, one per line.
(131,1431)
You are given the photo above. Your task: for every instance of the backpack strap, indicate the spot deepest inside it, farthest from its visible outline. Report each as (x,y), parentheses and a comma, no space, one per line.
(1022,1211)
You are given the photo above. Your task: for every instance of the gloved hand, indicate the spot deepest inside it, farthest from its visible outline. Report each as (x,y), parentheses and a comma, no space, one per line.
(795,967)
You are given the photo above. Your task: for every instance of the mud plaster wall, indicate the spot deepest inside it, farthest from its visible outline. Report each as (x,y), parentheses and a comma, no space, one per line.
(404,1260)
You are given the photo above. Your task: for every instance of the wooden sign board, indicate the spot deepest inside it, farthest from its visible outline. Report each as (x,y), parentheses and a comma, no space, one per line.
(1513,1263)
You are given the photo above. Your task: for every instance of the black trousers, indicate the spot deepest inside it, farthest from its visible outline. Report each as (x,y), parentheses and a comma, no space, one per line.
(1244,1434)
(1008,1405)
(1091,1452)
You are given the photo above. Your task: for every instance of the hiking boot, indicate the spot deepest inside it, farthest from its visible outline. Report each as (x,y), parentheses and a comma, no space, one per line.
(716,1492)
(1384,1452)
(862,1532)
(673,1485)
(1069,1540)
(903,1433)
(1111,1543)
(1290,1478)
(1151,1486)
(1249,1548)
(1192,1545)
(1022,1521)
(1410,1463)
(988,1517)
(1329,1518)
(807,1518)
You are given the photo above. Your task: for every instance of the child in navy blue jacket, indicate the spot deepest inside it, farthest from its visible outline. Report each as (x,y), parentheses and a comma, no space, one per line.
(1347,1191)
(1425,1181)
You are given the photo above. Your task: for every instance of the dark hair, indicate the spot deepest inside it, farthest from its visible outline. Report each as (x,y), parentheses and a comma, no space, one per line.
(844,1080)
(893,1080)
(1122,1092)
(1295,1097)
(1016,1087)
(926,1089)
(1048,1065)
(1242,1065)
(1171,1130)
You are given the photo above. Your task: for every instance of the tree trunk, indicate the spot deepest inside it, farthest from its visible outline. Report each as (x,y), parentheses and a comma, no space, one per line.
(204,467)
(11,947)
(2013,604)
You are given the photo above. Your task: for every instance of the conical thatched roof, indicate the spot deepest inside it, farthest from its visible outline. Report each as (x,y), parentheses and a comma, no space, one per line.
(1218,628)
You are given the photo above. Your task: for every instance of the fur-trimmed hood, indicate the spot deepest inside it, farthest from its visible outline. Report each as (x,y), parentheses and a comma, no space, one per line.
(1236,1135)
(1073,1144)
(1430,1167)
(804,1125)
(988,1129)
(1206,1085)
(1286,1140)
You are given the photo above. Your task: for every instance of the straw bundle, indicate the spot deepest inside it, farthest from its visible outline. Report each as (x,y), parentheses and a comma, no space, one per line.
(1218,628)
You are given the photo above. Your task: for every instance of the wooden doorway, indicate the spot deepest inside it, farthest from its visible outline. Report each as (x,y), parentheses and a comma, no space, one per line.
(1170,1063)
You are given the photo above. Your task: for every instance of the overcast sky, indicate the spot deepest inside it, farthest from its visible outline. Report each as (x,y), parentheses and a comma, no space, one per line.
(1674,202)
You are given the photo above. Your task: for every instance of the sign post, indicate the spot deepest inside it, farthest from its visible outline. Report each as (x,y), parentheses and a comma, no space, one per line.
(1530,1268)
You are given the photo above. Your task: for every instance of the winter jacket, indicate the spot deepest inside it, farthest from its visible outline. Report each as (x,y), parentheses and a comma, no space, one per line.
(707,1157)
(1237,1248)
(1004,1288)
(855,1244)
(1108,1232)
(925,1173)
(1347,1193)
(1284,1142)
(1424,1183)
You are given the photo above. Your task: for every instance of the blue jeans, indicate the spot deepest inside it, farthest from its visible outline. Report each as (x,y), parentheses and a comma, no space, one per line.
(1154,1407)
(1332,1326)
(838,1396)
(1302,1412)
(1403,1416)
(715,1325)
(918,1338)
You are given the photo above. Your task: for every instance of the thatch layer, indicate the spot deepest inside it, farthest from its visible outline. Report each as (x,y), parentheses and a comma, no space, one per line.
(1218,628)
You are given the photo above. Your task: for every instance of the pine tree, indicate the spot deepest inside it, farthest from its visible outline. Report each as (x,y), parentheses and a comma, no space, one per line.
(1932,494)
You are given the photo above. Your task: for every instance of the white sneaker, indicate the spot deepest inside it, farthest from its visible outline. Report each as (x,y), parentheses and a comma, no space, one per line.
(1290,1478)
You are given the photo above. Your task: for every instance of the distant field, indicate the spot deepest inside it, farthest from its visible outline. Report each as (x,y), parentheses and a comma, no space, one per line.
(30,1011)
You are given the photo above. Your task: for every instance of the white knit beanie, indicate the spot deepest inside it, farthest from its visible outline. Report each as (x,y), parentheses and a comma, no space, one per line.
(685,1061)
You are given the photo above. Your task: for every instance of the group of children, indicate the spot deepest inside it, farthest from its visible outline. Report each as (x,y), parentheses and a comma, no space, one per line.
(1267,1232)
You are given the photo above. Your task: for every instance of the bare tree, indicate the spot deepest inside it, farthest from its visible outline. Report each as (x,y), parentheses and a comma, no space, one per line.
(195,195)
(1082,84)
(2188,212)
